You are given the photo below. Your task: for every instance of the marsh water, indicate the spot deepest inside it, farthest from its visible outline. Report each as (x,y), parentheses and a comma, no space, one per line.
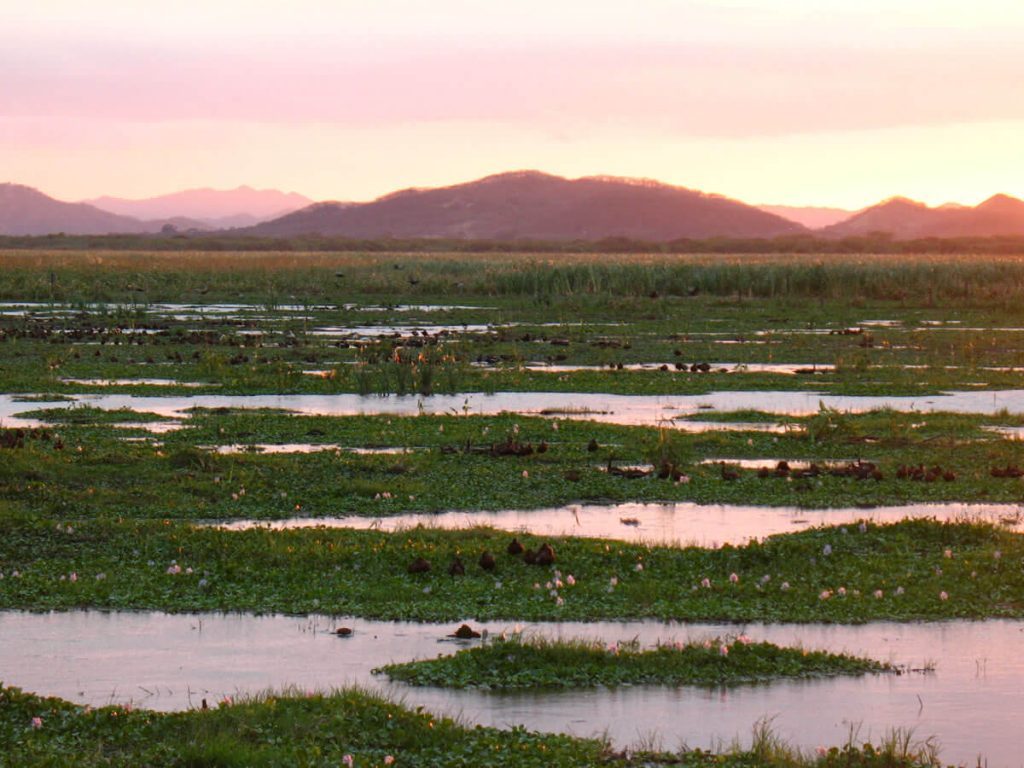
(685,523)
(170,662)
(613,409)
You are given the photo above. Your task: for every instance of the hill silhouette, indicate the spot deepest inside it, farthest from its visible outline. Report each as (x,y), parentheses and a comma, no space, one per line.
(537,206)
(903,219)
(218,208)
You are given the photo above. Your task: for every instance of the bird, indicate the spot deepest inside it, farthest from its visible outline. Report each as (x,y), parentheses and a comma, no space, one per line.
(457,568)
(545,554)
(419,565)
(487,561)
(514,548)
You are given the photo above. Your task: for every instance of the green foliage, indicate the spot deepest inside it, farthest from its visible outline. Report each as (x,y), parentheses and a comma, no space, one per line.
(518,662)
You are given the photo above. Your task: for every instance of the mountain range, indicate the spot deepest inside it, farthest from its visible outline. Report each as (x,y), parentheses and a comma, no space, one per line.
(537,206)
(214,208)
(508,206)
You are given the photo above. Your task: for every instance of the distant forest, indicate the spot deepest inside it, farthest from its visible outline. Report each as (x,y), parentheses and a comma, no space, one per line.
(880,243)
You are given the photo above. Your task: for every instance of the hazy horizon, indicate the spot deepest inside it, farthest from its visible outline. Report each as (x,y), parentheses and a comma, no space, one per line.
(793,102)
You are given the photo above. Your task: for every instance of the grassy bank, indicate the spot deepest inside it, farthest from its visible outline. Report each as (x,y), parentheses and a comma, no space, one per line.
(906,571)
(518,662)
(355,729)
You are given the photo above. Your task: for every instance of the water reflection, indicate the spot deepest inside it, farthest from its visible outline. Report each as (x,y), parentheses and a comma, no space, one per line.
(168,662)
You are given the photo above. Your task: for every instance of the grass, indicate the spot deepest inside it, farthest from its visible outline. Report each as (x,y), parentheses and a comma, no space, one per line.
(517,662)
(352,727)
(90,521)
(453,467)
(906,571)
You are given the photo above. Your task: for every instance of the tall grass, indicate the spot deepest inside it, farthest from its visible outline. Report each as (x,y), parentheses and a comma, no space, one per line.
(274,278)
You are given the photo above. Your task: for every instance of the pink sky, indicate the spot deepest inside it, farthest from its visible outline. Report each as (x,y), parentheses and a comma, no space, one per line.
(807,101)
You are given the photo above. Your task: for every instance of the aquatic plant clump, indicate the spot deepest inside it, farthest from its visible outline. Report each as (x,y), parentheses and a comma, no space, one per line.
(539,663)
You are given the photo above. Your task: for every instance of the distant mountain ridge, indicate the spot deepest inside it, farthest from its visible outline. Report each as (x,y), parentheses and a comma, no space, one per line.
(27,211)
(521,205)
(217,208)
(904,219)
(810,216)
(537,206)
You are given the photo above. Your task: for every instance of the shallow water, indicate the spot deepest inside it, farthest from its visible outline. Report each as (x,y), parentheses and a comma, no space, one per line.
(301,448)
(376,331)
(168,662)
(614,409)
(136,383)
(704,525)
(780,368)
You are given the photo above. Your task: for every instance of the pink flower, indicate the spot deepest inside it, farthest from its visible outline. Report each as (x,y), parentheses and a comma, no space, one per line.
(842,591)
(723,650)
(825,594)
(943,595)
(37,722)
(705,583)
(734,578)
(389,759)
(613,581)
(948,554)
(526,474)
(559,601)
(570,580)
(348,760)
(613,648)
(744,640)
(878,594)
(784,586)
(638,567)
(73,577)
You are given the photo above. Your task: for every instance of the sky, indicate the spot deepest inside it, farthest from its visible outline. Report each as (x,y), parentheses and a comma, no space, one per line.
(805,102)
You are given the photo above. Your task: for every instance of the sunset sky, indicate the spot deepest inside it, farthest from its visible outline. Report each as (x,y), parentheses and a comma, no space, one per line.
(831,102)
